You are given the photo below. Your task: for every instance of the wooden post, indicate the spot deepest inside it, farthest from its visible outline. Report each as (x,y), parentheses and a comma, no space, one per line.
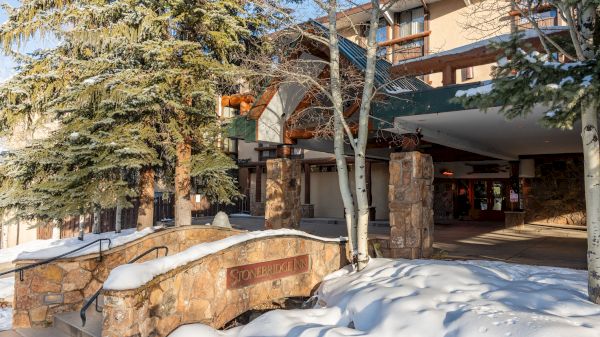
(307,184)
(258,183)
(449,75)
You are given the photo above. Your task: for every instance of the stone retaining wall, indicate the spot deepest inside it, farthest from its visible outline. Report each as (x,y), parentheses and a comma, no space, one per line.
(219,287)
(62,285)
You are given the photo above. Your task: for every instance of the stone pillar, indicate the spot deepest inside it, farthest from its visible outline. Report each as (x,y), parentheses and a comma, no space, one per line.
(282,209)
(411,205)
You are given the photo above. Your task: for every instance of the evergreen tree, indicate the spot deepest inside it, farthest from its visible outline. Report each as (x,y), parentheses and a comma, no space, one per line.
(130,92)
(565,78)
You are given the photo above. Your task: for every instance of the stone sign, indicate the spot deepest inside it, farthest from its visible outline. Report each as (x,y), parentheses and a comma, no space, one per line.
(242,276)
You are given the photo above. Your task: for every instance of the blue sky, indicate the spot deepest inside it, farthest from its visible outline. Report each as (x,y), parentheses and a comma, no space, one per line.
(305,11)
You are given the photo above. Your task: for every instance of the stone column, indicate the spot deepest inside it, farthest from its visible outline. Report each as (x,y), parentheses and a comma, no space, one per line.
(283,209)
(411,205)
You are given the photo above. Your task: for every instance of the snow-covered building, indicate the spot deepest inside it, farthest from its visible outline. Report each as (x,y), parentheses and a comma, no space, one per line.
(484,164)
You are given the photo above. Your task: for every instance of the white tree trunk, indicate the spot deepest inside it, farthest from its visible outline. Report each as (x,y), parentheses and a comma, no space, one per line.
(81,226)
(591,156)
(96,224)
(338,138)
(361,143)
(118,220)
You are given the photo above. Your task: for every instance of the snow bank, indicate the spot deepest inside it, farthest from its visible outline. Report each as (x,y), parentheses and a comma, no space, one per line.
(44,249)
(7,288)
(6,319)
(131,276)
(436,299)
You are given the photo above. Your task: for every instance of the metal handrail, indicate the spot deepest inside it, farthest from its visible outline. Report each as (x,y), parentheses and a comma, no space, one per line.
(23,268)
(88,303)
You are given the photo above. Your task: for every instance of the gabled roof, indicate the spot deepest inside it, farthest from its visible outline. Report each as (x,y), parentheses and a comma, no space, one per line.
(358,56)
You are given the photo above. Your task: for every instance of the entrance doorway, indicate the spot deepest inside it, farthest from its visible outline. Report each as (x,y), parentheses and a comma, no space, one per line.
(488,198)
(472,199)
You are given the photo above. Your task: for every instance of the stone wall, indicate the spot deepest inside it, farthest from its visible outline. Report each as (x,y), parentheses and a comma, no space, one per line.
(282,209)
(63,285)
(411,206)
(556,194)
(203,291)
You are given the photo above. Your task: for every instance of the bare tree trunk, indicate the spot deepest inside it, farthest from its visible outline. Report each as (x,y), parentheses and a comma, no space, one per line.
(360,149)
(338,138)
(81,227)
(183,205)
(96,225)
(591,155)
(118,218)
(145,216)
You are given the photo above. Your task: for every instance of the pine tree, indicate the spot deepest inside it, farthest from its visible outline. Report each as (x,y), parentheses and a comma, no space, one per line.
(565,78)
(130,82)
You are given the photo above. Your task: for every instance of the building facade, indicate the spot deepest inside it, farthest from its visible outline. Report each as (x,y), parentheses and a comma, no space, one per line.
(484,165)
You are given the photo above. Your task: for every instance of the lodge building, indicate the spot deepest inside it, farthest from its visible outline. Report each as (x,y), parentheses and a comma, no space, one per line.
(485,167)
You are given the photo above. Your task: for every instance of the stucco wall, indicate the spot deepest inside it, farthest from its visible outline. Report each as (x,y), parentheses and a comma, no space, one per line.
(199,292)
(69,281)
(448,22)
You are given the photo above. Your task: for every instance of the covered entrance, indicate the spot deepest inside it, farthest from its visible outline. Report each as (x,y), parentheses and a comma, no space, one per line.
(480,199)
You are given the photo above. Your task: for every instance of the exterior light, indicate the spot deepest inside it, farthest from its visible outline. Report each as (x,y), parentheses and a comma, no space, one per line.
(446,172)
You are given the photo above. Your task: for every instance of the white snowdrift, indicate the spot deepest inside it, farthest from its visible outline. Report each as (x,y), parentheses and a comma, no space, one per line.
(131,276)
(6,319)
(44,249)
(7,288)
(429,298)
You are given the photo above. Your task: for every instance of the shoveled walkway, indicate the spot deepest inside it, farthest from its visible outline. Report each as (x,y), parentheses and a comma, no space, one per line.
(534,245)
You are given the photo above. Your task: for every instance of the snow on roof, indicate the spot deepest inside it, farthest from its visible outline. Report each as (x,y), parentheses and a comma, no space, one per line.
(392,298)
(526,34)
(131,276)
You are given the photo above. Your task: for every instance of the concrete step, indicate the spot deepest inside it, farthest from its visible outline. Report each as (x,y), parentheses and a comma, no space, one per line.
(70,323)
(39,332)
(9,333)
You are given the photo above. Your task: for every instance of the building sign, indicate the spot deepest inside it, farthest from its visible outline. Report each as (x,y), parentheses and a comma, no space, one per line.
(242,276)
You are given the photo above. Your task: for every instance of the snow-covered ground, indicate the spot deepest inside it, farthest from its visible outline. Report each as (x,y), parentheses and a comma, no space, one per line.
(44,249)
(7,289)
(5,319)
(430,298)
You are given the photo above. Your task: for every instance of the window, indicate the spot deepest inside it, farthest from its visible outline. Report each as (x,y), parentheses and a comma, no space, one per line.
(382,36)
(410,22)
(467,73)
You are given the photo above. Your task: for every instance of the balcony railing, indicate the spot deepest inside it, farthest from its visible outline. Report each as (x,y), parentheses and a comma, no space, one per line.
(405,47)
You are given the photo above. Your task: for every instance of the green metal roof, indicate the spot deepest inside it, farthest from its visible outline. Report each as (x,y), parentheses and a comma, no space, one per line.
(358,56)
(435,100)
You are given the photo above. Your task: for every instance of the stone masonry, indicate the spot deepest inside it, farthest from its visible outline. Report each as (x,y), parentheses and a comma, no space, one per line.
(201,292)
(283,208)
(63,285)
(411,206)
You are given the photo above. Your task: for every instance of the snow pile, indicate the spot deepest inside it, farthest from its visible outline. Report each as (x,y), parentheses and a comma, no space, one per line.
(6,319)
(436,299)
(45,249)
(131,276)
(221,220)
(7,288)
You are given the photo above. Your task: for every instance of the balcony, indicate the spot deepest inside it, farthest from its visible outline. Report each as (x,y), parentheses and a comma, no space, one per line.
(405,47)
